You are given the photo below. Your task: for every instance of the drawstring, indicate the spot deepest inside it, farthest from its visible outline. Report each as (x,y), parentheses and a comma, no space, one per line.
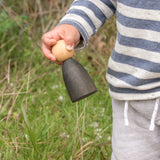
(152,123)
(155,111)
(126,122)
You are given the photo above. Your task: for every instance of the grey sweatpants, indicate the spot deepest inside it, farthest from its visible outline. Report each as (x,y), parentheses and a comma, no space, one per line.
(131,137)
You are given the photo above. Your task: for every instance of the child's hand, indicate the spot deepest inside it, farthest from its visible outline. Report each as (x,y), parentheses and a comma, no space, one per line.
(67,32)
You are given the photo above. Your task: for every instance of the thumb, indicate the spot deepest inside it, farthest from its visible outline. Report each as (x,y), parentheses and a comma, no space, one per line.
(69,40)
(69,43)
(70,35)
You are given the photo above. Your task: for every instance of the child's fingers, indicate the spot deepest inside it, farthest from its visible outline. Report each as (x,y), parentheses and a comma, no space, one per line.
(50,38)
(47,52)
(48,41)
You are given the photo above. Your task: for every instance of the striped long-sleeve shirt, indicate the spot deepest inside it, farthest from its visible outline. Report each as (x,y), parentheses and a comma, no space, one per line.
(134,66)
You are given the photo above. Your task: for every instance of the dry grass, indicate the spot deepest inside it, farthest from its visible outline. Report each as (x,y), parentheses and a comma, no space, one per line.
(37,119)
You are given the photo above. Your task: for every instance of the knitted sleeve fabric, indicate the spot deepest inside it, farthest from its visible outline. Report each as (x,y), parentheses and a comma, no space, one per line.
(88,16)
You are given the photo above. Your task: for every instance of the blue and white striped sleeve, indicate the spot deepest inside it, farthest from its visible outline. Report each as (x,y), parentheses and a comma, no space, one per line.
(88,16)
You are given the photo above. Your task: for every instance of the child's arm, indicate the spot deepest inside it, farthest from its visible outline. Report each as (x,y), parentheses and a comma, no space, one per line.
(83,19)
(88,16)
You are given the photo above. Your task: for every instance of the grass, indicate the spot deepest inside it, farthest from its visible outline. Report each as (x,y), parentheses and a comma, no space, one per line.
(37,119)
